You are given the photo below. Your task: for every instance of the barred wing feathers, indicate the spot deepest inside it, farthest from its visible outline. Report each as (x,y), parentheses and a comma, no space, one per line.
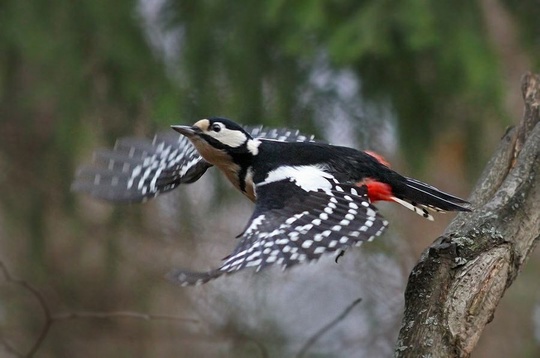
(290,226)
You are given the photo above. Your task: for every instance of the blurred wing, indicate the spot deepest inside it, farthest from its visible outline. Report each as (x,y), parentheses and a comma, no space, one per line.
(280,134)
(291,225)
(137,169)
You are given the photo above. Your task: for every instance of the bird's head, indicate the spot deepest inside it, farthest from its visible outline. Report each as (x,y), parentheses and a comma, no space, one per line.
(219,139)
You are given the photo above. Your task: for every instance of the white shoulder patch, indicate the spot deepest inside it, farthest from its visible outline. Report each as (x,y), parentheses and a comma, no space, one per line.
(253,146)
(308,177)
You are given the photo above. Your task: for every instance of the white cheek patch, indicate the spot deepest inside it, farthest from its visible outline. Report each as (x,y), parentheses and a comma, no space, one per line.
(231,138)
(309,178)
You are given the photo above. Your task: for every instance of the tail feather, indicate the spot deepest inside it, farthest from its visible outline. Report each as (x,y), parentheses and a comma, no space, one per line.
(421,197)
(419,209)
(431,190)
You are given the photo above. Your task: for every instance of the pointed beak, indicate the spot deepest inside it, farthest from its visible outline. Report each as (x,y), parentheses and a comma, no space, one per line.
(186,130)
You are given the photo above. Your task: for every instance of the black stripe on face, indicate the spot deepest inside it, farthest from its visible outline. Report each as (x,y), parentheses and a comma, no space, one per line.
(214,142)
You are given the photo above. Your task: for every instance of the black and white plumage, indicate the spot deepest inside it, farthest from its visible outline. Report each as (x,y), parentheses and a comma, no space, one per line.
(136,169)
(291,226)
(311,198)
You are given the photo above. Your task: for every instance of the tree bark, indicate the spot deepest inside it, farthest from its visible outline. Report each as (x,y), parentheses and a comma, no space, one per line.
(455,287)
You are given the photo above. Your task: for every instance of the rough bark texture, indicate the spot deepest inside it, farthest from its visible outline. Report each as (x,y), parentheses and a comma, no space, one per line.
(454,289)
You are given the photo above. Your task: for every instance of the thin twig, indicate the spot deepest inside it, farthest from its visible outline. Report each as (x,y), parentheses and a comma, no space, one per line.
(52,318)
(258,345)
(42,303)
(262,348)
(118,314)
(9,348)
(326,328)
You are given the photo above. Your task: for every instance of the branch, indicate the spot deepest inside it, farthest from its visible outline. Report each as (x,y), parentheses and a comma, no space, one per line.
(454,289)
(9,348)
(118,314)
(302,352)
(50,318)
(42,304)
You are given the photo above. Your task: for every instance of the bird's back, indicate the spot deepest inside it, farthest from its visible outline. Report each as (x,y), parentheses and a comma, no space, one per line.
(335,160)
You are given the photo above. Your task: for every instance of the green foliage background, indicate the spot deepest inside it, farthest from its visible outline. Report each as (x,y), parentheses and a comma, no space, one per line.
(77,75)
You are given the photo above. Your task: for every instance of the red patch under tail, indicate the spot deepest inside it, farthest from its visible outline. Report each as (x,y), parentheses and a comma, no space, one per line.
(377,191)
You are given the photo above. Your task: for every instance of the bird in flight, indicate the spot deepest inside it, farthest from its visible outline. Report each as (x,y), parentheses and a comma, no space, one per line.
(311,198)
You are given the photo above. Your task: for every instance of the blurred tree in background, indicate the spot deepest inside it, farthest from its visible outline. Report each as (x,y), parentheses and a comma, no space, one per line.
(431,79)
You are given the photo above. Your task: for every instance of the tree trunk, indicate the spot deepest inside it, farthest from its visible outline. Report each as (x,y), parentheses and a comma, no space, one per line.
(454,289)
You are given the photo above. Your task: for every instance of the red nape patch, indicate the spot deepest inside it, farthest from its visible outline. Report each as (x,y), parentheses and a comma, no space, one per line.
(377,191)
(378,158)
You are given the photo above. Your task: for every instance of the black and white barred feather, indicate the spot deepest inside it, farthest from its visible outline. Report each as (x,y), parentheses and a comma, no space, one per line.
(290,226)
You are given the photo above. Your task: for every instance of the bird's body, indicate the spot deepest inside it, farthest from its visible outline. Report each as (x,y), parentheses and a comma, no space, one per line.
(255,159)
(310,197)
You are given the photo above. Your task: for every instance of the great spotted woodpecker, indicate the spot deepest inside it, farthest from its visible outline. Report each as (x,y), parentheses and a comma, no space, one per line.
(311,198)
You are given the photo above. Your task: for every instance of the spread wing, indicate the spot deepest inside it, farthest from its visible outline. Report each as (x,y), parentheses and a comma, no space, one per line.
(136,169)
(291,225)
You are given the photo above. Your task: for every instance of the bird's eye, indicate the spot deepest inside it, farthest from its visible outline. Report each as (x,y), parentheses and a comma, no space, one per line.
(216,127)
